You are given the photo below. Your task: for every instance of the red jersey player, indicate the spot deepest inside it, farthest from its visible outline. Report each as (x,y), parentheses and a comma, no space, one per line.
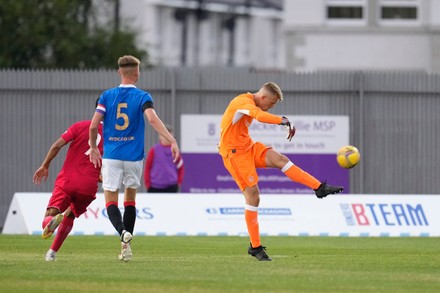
(75,186)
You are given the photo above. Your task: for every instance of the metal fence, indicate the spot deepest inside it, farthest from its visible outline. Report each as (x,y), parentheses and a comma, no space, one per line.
(393,117)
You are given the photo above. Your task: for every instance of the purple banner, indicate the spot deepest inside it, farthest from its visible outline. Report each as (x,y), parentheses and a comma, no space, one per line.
(205,173)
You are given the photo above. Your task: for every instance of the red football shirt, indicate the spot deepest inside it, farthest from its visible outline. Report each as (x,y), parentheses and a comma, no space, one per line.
(78,173)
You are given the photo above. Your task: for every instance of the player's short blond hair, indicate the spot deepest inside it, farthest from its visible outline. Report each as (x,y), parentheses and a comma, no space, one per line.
(128,61)
(274,89)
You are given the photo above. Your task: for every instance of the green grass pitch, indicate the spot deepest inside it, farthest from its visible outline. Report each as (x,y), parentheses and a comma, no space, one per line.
(221,264)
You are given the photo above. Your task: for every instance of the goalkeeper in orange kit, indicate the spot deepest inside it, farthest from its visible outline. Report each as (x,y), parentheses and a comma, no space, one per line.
(241,156)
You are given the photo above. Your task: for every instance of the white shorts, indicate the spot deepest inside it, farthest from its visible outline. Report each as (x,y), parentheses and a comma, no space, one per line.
(115,172)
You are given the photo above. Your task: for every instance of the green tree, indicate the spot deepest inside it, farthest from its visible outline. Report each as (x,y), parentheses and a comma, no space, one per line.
(61,34)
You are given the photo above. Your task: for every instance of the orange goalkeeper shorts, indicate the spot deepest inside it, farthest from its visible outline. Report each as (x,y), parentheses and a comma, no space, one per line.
(243,166)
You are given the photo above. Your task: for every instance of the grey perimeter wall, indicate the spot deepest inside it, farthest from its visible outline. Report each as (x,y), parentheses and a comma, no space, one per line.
(394,117)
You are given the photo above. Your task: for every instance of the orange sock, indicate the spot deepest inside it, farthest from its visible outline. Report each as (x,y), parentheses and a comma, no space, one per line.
(251,217)
(296,174)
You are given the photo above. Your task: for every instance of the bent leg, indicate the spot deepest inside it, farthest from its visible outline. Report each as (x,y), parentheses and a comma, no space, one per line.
(58,203)
(276,160)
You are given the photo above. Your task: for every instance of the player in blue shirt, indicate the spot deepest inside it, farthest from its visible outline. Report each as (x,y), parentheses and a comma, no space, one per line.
(122,109)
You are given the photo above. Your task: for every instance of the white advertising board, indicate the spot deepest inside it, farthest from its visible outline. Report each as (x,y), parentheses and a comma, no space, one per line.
(314,134)
(222,214)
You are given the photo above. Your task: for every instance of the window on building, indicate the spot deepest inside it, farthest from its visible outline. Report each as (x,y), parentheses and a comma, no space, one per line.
(399,11)
(346,11)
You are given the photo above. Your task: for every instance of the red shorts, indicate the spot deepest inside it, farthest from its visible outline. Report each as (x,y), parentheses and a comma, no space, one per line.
(61,199)
(243,166)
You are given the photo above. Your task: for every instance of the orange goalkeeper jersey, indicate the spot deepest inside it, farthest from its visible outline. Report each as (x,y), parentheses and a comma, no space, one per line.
(234,128)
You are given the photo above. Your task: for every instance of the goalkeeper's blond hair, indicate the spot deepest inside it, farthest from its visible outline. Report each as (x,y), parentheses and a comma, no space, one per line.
(274,89)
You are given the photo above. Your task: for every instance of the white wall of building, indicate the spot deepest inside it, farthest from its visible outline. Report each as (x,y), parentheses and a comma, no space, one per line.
(315,42)
(365,52)
(303,12)
(434,12)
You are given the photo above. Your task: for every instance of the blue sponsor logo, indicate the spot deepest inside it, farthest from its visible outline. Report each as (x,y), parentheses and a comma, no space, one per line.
(231,211)
(240,211)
